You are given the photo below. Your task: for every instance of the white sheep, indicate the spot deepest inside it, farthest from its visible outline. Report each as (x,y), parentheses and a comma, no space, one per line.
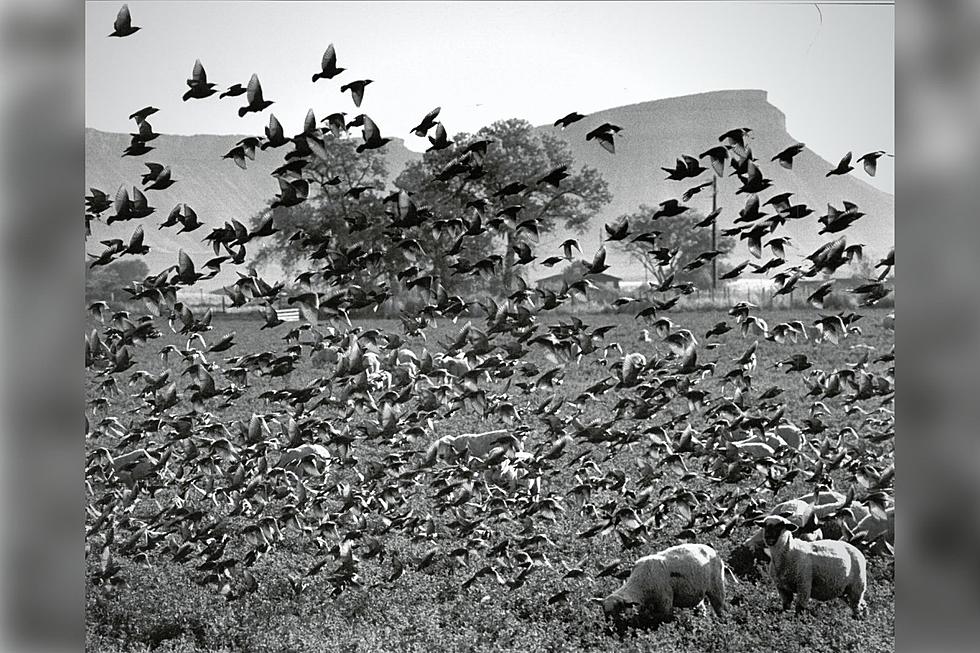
(822,570)
(806,513)
(875,532)
(681,576)
(478,445)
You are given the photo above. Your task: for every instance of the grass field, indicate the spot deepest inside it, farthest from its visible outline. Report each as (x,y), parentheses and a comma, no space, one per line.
(161,607)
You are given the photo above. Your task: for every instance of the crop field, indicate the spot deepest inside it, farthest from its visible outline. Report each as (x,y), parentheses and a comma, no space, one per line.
(469,565)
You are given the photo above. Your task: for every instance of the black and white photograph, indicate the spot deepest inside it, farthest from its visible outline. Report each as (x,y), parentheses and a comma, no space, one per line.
(490,326)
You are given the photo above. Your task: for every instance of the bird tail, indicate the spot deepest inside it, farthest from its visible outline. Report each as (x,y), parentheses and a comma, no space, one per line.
(242,111)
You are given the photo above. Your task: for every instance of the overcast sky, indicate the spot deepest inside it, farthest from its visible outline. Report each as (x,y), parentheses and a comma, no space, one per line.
(828,67)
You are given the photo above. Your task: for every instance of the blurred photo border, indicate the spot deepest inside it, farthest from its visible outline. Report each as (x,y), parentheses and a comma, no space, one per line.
(938,334)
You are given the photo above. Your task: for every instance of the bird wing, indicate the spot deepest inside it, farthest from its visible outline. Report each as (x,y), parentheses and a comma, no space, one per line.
(123,19)
(199,76)
(136,240)
(329,60)
(370,131)
(121,200)
(254,90)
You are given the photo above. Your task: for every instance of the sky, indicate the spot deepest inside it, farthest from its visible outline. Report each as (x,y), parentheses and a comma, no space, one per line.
(828,66)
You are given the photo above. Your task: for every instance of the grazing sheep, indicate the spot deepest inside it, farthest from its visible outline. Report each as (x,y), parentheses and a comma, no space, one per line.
(677,577)
(822,570)
(477,445)
(875,534)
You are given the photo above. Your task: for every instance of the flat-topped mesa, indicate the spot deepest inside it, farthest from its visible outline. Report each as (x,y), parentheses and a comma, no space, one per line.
(713,111)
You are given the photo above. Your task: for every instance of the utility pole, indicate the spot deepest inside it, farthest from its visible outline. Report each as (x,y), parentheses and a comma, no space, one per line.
(714,235)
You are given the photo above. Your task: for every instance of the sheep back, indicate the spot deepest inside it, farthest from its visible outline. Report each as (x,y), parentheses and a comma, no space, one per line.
(832,568)
(679,576)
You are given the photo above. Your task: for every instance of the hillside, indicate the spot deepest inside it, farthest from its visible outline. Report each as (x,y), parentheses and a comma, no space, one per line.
(215,188)
(654,133)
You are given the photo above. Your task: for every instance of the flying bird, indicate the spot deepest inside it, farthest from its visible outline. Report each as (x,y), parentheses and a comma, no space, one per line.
(372,137)
(686,166)
(691,192)
(441,140)
(565,121)
(336,123)
(669,208)
(256,102)
(843,167)
(427,123)
(137,146)
(200,88)
(328,65)
(143,114)
(123,25)
(158,177)
(356,89)
(870,161)
(735,138)
(785,157)
(718,156)
(604,135)
(234,91)
(555,177)
(274,134)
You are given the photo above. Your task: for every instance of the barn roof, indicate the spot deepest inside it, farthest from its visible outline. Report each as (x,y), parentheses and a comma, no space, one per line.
(599,277)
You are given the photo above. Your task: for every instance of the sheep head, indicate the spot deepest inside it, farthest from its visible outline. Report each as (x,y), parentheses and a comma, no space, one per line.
(615,606)
(773,528)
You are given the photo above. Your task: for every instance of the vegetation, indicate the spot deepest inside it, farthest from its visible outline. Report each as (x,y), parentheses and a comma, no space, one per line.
(106,282)
(676,244)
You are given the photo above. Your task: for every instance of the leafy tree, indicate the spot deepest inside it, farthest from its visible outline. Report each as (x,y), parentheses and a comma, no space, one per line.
(678,235)
(103,282)
(515,154)
(331,210)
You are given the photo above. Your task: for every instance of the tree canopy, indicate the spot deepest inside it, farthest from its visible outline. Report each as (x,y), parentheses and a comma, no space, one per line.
(346,191)
(673,245)
(528,179)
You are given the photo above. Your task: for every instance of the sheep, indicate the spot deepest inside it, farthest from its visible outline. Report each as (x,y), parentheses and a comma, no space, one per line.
(875,533)
(134,466)
(805,512)
(762,444)
(822,570)
(476,445)
(677,577)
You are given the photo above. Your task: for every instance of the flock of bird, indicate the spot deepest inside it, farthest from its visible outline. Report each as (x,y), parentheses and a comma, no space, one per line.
(341,462)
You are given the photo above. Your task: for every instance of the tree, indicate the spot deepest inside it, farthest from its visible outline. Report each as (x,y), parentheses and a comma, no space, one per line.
(331,210)
(103,282)
(515,154)
(678,235)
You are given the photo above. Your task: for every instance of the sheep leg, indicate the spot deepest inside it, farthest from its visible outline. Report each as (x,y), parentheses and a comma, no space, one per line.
(786,596)
(717,602)
(855,598)
(802,598)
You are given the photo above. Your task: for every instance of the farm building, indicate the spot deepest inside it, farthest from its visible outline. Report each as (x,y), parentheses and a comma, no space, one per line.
(573,272)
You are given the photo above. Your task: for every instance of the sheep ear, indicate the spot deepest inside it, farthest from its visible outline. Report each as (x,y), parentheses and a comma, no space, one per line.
(790,526)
